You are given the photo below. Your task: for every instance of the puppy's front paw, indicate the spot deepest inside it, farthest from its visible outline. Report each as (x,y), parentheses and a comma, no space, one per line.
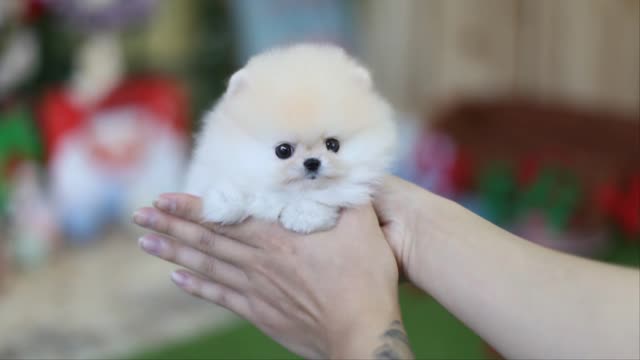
(224,206)
(308,217)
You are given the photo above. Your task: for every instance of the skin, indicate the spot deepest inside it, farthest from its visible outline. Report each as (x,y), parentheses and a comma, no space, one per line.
(525,300)
(313,294)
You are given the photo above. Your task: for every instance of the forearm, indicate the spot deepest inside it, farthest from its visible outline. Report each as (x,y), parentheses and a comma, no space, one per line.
(525,300)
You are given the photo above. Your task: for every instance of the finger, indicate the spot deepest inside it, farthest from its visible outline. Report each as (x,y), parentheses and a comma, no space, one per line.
(188,207)
(177,253)
(211,291)
(253,232)
(185,206)
(194,235)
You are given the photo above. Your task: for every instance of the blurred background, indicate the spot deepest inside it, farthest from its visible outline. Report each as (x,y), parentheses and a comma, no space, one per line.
(524,111)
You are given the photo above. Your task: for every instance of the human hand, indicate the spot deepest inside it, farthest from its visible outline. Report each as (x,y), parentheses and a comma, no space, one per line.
(330,293)
(409,216)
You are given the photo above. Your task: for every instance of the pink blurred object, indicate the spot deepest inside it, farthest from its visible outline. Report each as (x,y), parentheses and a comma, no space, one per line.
(33,230)
(3,257)
(534,228)
(435,157)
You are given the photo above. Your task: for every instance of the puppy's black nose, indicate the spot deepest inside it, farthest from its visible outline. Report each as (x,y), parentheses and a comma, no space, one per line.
(312,164)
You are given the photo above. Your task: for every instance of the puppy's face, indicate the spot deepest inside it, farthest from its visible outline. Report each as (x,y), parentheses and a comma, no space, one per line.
(313,132)
(310,163)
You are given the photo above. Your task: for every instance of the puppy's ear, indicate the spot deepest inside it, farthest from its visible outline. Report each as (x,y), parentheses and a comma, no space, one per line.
(363,77)
(237,82)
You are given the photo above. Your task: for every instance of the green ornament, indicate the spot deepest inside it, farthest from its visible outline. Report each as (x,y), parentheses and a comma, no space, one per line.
(18,139)
(497,187)
(536,196)
(565,201)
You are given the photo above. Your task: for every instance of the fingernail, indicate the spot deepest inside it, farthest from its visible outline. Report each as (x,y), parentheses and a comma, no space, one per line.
(140,218)
(164,204)
(150,245)
(179,278)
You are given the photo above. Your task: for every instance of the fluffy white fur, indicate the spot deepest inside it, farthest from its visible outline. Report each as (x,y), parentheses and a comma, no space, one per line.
(299,95)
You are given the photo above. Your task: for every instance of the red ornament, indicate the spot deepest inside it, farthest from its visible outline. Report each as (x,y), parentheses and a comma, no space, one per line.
(59,114)
(629,209)
(461,172)
(606,198)
(528,170)
(621,204)
(33,11)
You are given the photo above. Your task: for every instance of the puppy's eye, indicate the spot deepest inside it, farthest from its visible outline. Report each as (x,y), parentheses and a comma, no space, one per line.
(284,151)
(332,144)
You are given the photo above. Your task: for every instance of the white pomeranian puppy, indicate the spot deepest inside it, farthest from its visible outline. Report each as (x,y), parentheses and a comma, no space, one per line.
(299,134)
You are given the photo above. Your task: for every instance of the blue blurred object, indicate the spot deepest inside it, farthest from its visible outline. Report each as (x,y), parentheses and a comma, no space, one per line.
(409,129)
(105,15)
(261,25)
(81,222)
(474,203)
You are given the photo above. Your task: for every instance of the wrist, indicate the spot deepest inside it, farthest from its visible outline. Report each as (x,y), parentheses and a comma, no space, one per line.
(363,335)
(436,224)
(404,209)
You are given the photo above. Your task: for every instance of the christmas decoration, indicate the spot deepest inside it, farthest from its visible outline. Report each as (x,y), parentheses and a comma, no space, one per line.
(102,157)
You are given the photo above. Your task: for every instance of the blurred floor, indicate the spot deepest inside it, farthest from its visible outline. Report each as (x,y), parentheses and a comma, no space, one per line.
(97,301)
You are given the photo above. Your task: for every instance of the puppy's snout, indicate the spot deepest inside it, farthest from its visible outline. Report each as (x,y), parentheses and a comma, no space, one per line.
(312,164)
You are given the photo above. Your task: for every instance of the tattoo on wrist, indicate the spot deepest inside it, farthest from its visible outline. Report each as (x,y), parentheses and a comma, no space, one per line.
(395,344)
